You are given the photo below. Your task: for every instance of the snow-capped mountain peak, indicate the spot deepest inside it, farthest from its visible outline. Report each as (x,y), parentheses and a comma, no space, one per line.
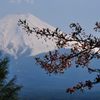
(15,41)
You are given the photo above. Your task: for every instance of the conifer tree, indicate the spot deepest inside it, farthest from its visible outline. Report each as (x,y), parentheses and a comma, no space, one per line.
(8,88)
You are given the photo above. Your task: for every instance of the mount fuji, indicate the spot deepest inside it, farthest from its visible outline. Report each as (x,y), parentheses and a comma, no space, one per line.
(37,85)
(15,41)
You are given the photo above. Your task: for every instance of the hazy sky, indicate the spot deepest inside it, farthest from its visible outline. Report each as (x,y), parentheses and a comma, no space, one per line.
(59,13)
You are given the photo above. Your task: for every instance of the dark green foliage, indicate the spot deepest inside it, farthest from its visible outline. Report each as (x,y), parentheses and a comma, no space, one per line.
(8,89)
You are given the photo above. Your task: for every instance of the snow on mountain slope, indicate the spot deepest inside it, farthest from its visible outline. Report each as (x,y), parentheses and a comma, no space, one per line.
(15,41)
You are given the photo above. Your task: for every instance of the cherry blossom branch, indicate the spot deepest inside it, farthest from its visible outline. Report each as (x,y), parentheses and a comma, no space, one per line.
(83,49)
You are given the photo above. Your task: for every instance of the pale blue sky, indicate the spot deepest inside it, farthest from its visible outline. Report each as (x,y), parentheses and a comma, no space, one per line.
(59,13)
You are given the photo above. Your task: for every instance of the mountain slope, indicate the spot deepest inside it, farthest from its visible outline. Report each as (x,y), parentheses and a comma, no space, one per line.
(15,41)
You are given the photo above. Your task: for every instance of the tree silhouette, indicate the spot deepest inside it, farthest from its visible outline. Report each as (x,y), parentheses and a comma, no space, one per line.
(84,49)
(8,89)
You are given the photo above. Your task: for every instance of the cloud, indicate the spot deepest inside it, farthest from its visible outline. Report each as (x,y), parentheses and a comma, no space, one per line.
(21,1)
